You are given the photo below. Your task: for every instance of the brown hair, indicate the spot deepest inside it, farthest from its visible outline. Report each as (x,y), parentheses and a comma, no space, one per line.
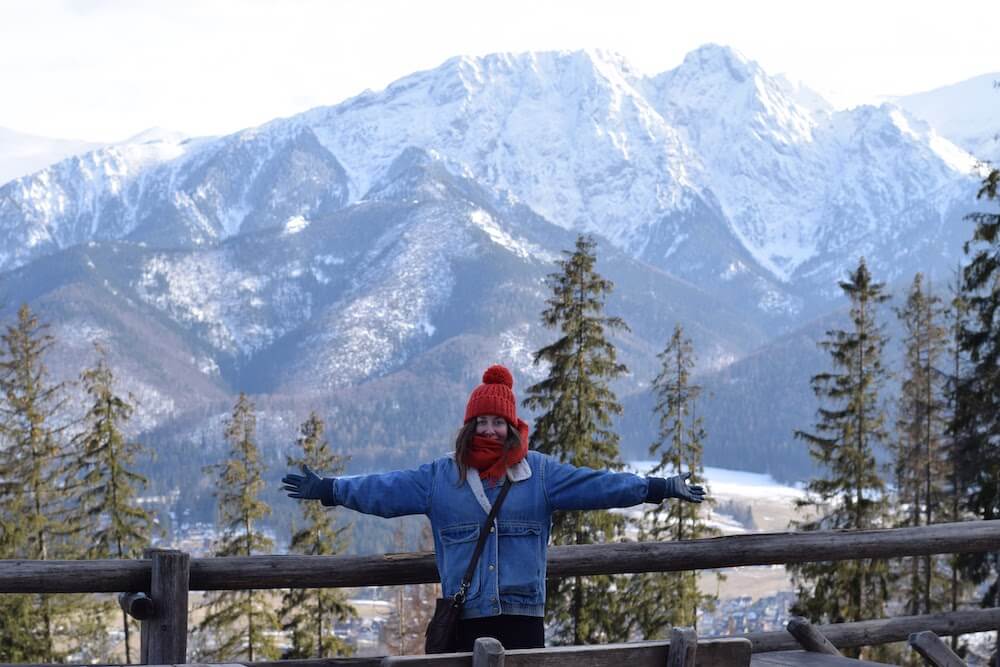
(464,440)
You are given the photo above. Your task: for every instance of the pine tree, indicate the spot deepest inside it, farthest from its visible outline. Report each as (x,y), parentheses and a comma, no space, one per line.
(672,599)
(576,408)
(920,454)
(108,485)
(959,585)
(976,421)
(849,429)
(310,613)
(241,623)
(32,506)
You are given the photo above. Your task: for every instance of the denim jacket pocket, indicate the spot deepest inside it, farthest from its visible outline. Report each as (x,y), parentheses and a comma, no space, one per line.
(521,559)
(459,543)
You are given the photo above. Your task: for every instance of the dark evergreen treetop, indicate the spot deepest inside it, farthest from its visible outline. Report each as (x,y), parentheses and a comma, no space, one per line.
(976,418)
(108,483)
(851,423)
(851,493)
(576,407)
(239,623)
(575,400)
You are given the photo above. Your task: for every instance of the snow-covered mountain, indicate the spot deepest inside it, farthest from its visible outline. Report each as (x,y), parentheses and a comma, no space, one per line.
(408,232)
(22,154)
(430,268)
(713,171)
(967,113)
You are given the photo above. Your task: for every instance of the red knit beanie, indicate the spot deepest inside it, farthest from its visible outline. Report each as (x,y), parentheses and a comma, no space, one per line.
(495,396)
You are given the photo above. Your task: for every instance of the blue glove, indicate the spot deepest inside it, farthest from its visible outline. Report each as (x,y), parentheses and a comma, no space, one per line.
(674,487)
(307,486)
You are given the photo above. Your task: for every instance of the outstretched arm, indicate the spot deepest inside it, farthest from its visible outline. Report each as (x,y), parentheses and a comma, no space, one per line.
(570,488)
(388,494)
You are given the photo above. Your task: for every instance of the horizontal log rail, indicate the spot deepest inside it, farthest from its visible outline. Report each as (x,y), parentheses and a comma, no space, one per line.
(841,635)
(263,572)
(884,630)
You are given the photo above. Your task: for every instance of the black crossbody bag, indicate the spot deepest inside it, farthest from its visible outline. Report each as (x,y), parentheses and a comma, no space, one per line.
(442,631)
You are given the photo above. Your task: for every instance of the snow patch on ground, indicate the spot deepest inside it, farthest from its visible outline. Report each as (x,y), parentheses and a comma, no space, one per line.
(724,482)
(498,235)
(295,224)
(231,306)
(515,347)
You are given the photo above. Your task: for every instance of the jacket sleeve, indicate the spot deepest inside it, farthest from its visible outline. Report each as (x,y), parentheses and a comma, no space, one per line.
(570,488)
(386,494)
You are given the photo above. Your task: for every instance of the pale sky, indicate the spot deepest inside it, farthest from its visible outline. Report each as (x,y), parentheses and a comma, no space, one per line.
(104,70)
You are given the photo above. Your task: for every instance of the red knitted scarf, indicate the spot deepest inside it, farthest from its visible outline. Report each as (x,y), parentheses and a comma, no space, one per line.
(487,456)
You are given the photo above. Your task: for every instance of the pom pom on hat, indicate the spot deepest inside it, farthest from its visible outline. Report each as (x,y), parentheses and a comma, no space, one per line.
(497,374)
(494,397)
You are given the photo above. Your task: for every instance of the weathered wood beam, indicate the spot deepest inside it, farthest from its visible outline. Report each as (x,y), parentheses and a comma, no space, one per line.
(934,651)
(613,558)
(810,637)
(260,572)
(884,631)
(73,576)
(724,652)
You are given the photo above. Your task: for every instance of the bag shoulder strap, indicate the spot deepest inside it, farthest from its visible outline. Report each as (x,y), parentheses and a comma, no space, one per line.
(483,533)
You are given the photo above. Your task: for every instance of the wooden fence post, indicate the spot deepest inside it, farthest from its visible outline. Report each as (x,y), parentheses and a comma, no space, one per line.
(163,637)
(487,652)
(683,647)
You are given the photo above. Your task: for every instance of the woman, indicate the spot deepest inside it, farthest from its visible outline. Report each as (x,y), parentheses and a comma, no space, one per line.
(506,598)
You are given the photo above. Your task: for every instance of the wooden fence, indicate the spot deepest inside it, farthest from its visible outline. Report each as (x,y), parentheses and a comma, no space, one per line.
(168,575)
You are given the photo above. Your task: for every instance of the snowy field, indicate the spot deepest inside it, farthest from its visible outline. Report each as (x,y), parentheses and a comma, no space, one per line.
(724,483)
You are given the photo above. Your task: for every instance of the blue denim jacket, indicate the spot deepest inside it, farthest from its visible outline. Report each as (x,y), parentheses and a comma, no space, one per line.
(510,575)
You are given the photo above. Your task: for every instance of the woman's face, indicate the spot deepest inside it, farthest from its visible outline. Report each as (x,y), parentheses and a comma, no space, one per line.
(492,426)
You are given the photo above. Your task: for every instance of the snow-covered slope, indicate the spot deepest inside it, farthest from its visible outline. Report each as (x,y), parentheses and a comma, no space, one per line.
(714,171)
(967,113)
(425,261)
(22,154)
(804,188)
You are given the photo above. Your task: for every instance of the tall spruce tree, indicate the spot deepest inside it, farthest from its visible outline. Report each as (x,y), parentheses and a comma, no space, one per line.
(851,495)
(108,484)
(663,601)
(240,623)
(310,613)
(32,502)
(921,461)
(976,420)
(960,585)
(576,408)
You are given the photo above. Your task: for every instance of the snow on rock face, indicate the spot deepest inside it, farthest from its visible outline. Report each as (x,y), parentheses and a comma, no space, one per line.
(796,181)
(170,192)
(295,224)
(391,306)
(580,137)
(965,113)
(98,195)
(568,133)
(238,312)
(501,237)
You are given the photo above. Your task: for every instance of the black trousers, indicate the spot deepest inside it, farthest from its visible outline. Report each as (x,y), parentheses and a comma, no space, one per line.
(512,631)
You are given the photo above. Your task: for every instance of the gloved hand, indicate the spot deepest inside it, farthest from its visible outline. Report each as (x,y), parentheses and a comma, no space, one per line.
(307,486)
(677,487)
